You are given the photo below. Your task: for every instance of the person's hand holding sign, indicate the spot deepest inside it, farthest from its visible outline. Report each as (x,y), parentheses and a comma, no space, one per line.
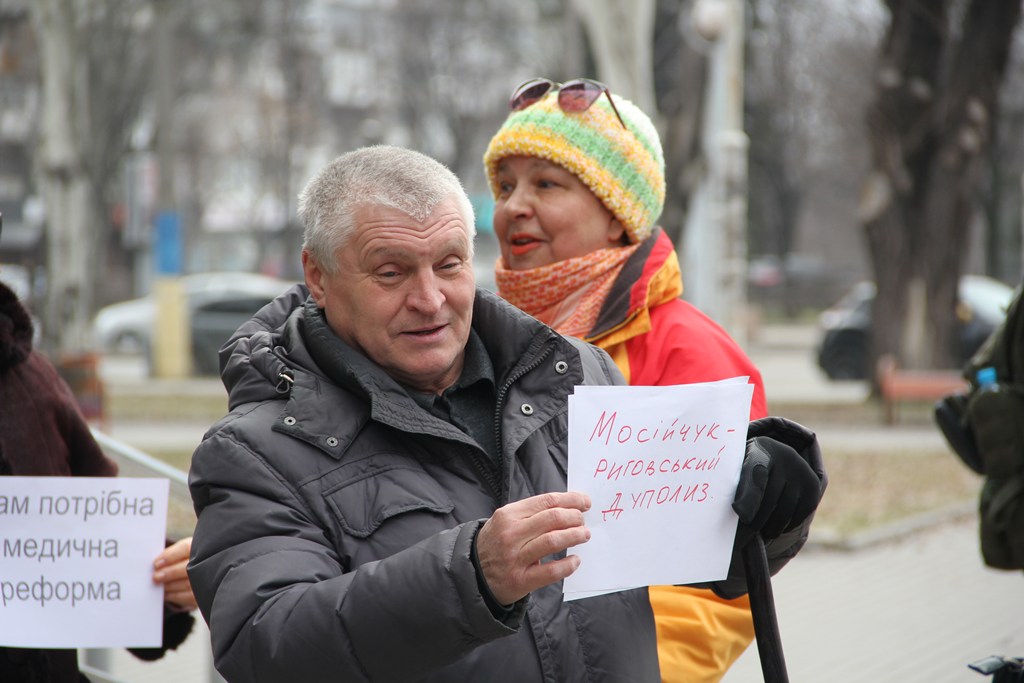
(512,543)
(169,570)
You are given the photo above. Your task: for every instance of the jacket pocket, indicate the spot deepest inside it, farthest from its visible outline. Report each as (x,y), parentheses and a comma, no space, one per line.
(385,491)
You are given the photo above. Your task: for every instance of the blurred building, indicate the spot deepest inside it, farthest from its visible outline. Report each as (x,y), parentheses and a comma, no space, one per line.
(22,241)
(263,96)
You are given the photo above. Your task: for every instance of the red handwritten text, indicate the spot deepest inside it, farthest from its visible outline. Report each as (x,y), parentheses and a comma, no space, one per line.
(613,509)
(644,500)
(606,429)
(613,471)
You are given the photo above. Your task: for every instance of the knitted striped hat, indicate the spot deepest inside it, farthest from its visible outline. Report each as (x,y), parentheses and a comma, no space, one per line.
(625,169)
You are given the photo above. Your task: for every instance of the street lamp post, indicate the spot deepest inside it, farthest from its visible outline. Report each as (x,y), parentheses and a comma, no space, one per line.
(715,249)
(171,336)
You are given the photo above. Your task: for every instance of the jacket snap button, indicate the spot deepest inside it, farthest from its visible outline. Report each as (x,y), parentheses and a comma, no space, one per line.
(527,409)
(332,442)
(561,367)
(289,421)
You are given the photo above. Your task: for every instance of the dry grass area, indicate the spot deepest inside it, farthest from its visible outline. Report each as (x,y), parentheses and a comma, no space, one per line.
(174,458)
(870,487)
(867,489)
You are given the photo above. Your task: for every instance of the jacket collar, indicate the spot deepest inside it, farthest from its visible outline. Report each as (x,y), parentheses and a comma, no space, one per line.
(329,399)
(650,278)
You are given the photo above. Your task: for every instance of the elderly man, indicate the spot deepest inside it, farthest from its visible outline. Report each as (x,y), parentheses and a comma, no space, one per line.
(386,499)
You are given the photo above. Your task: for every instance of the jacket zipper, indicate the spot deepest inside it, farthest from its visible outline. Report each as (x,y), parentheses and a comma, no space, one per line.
(285,380)
(486,470)
(499,406)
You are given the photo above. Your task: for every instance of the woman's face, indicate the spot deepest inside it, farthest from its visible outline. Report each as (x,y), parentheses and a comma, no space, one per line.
(545,214)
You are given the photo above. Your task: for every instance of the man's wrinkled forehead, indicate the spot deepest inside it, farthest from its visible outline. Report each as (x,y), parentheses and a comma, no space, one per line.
(381,227)
(452,244)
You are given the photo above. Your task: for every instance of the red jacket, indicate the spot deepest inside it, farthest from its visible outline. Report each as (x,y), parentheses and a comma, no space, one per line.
(658,339)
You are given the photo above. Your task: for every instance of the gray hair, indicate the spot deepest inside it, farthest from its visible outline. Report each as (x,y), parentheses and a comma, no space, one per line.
(379,175)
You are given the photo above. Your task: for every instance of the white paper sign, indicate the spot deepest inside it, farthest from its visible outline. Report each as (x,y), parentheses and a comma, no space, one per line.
(661,465)
(76,561)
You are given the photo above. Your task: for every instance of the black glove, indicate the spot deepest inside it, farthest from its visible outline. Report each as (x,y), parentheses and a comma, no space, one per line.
(778,488)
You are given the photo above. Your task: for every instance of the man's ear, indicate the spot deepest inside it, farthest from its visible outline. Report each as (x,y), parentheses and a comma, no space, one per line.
(314,278)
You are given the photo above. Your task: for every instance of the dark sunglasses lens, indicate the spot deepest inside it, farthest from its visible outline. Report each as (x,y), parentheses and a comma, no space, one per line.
(577,96)
(528,93)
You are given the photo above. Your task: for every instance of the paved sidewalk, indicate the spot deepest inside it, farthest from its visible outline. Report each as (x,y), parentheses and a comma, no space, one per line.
(911,611)
(905,608)
(916,610)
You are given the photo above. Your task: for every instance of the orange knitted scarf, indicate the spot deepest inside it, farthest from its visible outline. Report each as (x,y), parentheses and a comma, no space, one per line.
(565,295)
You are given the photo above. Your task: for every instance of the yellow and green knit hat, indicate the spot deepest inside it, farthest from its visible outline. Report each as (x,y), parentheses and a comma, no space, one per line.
(625,169)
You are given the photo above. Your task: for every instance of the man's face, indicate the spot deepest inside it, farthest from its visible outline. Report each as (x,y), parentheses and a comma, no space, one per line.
(403,293)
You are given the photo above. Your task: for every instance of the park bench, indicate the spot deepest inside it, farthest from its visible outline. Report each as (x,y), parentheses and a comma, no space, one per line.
(898,385)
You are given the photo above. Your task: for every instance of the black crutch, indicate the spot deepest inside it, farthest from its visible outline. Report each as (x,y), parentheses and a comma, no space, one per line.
(762,608)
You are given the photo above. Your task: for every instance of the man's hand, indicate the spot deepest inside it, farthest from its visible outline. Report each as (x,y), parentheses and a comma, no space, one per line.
(169,570)
(511,544)
(778,488)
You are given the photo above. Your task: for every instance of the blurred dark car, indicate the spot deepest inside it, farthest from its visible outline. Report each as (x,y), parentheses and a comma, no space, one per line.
(844,351)
(218,303)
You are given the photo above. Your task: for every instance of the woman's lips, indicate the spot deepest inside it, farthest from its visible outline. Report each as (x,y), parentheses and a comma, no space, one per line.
(522,244)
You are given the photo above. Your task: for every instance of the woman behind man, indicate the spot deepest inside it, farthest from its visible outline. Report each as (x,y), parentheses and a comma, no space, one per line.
(578,179)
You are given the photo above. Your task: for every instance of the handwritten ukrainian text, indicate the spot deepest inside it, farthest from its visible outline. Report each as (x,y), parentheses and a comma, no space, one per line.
(661,465)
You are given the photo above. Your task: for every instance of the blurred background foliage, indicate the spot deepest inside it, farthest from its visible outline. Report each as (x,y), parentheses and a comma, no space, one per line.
(882,139)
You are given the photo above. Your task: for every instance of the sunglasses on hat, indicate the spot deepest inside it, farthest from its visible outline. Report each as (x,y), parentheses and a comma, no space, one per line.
(574,96)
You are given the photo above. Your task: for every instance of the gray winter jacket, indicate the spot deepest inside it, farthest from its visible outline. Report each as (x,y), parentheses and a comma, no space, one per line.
(336,519)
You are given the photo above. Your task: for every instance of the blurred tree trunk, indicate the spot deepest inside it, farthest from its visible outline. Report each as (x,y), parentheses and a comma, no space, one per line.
(67,195)
(776,183)
(680,82)
(621,34)
(92,82)
(642,55)
(929,128)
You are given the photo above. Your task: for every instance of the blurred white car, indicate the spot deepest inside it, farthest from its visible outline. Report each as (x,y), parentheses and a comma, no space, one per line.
(218,303)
